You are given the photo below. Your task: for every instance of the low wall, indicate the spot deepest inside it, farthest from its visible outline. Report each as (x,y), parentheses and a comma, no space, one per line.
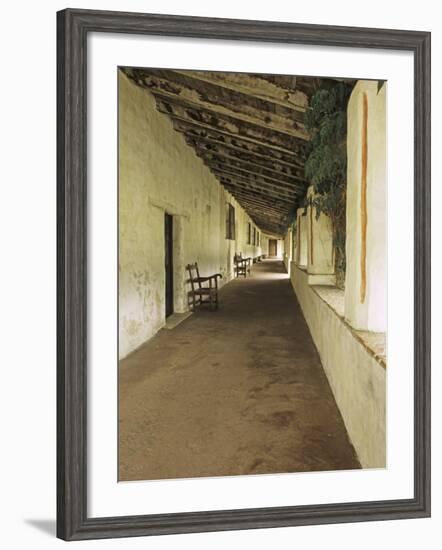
(356,376)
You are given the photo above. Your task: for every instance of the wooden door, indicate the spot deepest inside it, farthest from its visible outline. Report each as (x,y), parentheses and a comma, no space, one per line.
(168,262)
(272,247)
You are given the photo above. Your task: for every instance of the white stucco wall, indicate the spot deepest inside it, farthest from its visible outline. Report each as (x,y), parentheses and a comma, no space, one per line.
(369,313)
(158,173)
(357,378)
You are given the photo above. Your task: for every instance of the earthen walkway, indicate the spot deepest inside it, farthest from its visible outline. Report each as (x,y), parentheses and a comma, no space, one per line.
(237,391)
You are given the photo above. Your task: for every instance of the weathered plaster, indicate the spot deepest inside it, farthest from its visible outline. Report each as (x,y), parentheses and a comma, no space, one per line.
(356,376)
(158,173)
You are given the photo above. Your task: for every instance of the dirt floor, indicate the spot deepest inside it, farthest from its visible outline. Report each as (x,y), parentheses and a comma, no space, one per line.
(237,391)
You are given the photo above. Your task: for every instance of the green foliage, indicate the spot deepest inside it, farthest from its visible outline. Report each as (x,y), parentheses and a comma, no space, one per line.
(326,164)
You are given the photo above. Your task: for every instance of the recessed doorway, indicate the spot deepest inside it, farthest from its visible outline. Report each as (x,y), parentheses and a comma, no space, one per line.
(273,247)
(168,263)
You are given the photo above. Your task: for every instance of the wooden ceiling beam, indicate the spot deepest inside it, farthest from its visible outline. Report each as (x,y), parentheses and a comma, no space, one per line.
(245,149)
(229,153)
(271,198)
(232,127)
(258,182)
(256,211)
(289,182)
(271,206)
(251,205)
(258,214)
(261,218)
(230,96)
(279,210)
(305,84)
(261,212)
(257,199)
(255,87)
(268,226)
(262,120)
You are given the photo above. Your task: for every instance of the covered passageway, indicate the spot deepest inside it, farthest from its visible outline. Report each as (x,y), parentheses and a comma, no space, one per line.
(225,170)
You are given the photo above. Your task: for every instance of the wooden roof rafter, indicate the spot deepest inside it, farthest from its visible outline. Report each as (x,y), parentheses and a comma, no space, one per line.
(231,126)
(191,130)
(229,152)
(256,185)
(253,168)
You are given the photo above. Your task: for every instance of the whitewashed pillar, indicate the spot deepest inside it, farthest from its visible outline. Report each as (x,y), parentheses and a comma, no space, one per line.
(320,258)
(288,250)
(301,238)
(366,249)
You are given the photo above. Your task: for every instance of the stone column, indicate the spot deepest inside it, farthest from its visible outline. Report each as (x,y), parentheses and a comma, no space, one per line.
(320,258)
(301,238)
(366,252)
(288,250)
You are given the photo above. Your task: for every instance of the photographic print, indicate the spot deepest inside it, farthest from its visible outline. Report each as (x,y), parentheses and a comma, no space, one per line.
(252,293)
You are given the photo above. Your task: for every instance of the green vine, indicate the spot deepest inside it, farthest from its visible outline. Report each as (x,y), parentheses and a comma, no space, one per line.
(326,164)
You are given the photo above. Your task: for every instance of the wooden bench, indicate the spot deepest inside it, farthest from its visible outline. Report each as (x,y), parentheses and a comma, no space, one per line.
(241,265)
(200,294)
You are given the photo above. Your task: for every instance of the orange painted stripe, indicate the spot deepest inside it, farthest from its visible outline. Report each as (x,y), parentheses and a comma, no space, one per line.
(311,234)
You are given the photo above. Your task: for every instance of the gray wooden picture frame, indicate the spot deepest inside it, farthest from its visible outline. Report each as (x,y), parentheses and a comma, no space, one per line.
(73,27)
